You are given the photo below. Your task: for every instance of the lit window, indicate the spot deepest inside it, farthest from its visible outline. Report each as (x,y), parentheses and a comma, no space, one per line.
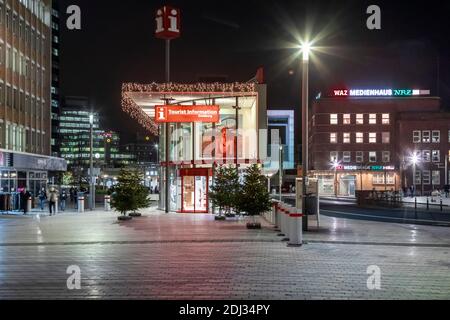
(436,156)
(372,156)
(436,136)
(426,176)
(448,136)
(426,155)
(378,178)
(347,119)
(386,137)
(436,179)
(333,119)
(347,157)
(333,137)
(386,156)
(372,118)
(386,118)
(372,137)
(418,179)
(417,136)
(347,138)
(360,120)
(359,156)
(390,178)
(334,156)
(359,137)
(426,136)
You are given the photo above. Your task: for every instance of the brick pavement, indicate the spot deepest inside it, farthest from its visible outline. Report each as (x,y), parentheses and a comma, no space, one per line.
(193,257)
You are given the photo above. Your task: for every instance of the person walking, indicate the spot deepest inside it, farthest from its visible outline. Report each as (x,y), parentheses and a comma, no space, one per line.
(24,196)
(62,200)
(52,199)
(42,197)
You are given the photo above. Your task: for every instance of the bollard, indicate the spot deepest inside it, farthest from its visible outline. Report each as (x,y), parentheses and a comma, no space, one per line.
(287,211)
(56,207)
(107,203)
(296,227)
(29,205)
(80,204)
(442,208)
(281,210)
(277,217)
(428,204)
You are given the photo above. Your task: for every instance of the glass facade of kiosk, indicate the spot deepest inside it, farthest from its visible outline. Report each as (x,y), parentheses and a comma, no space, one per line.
(196,147)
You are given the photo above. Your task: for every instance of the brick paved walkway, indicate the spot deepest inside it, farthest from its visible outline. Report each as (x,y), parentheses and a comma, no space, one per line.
(193,257)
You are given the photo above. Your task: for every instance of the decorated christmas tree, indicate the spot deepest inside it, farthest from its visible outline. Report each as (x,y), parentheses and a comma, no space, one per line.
(225,190)
(254,198)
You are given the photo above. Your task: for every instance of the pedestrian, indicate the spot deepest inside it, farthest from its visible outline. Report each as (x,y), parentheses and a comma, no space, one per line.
(72,196)
(52,199)
(42,197)
(62,200)
(24,196)
(447,190)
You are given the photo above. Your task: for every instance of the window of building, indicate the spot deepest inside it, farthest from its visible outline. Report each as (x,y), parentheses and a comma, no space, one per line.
(383,178)
(334,156)
(378,178)
(347,156)
(426,176)
(386,118)
(426,136)
(418,179)
(347,137)
(436,136)
(436,156)
(333,138)
(390,178)
(334,119)
(372,156)
(372,137)
(347,119)
(417,136)
(426,156)
(386,137)
(359,118)
(372,118)
(359,156)
(436,178)
(359,137)
(386,156)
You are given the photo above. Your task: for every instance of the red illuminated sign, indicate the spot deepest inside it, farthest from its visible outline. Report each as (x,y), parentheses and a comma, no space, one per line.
(181,114)
(168,23)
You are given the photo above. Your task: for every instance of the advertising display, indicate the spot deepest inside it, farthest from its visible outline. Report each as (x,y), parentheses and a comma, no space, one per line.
(168,21)
(187,114)
(378,92)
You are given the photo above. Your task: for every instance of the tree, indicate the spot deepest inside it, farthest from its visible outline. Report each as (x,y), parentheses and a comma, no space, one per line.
(225,191)
(67,179)
(254,198)
(129,194)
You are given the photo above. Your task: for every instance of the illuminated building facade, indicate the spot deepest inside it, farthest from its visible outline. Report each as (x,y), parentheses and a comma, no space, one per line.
(202,120)
(365,139)
(25,95)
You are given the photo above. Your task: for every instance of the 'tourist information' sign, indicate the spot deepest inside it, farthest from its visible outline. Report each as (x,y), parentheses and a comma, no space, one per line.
(179,114)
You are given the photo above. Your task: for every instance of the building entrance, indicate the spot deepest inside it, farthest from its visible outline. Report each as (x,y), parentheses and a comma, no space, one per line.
(194,190)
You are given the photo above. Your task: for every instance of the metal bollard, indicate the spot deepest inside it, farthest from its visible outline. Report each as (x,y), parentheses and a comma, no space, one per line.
(107,203)
(80,204)
(428,204)
(29,205)
(287,211)
(442,208)
(277,217)
(56,207)
(296,227)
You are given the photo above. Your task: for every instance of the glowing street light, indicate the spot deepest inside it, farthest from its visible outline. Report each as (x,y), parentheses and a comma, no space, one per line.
(306,50)
(414,160)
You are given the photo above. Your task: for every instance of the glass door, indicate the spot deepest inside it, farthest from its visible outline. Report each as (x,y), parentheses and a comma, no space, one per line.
(201,197)
(189,194)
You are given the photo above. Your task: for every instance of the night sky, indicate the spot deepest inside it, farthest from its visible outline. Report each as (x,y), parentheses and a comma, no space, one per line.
(233,38)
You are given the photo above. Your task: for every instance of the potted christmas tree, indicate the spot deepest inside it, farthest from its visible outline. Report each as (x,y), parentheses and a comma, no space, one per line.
(129,194)
(254,198)
(225,191)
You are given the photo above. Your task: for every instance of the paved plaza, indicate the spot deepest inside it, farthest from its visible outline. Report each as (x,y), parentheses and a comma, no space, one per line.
(174,256)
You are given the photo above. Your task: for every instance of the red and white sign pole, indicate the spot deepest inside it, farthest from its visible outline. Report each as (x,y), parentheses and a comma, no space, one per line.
(168,27)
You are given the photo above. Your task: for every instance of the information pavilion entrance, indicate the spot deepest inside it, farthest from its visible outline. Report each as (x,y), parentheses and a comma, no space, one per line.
(194,190)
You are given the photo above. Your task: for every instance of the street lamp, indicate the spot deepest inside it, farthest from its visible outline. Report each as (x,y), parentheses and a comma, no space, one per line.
(305,50)
(157,153)
(91,160)
(280,165)
(414,161)
(335,166)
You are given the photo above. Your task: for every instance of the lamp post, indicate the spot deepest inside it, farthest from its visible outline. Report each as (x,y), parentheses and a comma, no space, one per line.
(281,171)
(335,166)
(306,49)
(414,160)
(91,160)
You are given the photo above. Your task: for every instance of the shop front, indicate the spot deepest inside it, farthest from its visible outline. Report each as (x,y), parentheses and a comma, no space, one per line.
(346,182)
(201,127)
